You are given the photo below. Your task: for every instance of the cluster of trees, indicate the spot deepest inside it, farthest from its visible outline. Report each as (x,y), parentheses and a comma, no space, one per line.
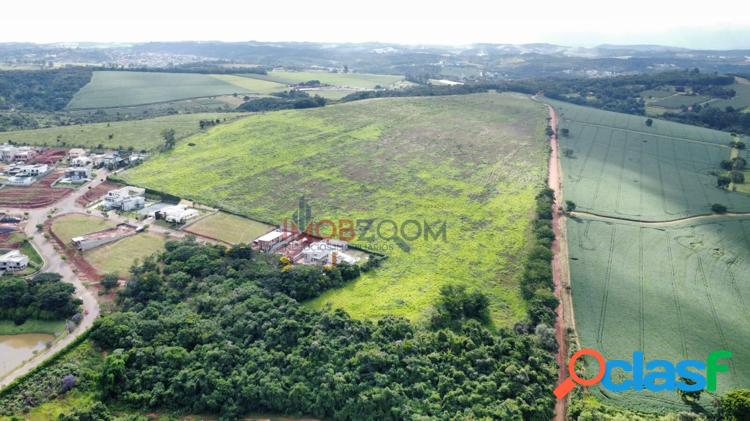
(43,297)
(536,282)
(209,123)
(293,99)
(202,330)
(728,119)
(40,90)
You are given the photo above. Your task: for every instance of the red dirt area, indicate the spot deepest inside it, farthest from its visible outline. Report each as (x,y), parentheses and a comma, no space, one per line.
(50,156)
(84,269)
(37,195)
(96,193)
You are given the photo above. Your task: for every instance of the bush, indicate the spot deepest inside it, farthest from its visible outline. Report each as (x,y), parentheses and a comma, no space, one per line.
(718,208)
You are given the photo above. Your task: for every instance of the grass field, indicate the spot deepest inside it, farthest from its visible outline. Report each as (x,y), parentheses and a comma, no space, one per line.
(475,162)
(140,134)
(620,167)
(741,98)
(229,228)
(119,256)
(68,226)
(677,101)
(49,327)
(119,89)
(350,80)
(674,291)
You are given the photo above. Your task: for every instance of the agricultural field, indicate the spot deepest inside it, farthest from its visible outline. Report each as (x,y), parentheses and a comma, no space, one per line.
(475,162)
(139,134)
(618,166)
(677,101)
(675,291)
(109,89)
(348,80)
(119,256)
(229,228)
(67,227)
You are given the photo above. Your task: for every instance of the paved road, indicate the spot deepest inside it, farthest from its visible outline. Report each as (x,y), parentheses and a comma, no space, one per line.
(53,262)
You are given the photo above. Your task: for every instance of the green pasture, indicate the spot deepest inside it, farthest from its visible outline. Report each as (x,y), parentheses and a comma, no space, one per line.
(475,162)
(139,134)
(679,100)
(120,88)
(343,80)
(618,166)
(741,98)
(119,256)
(67,227)
(229,228)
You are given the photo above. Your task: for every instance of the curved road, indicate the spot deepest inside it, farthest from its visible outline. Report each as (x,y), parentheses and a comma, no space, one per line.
(53,262)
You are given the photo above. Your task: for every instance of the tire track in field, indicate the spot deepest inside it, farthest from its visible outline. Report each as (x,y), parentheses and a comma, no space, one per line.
(605,293)
(679,180)
(712,307)
(619,176)
(675,295)
(642,321)
(601,171)
(588,154)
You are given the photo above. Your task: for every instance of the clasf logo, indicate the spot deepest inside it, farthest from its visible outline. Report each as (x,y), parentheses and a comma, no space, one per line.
(652,375)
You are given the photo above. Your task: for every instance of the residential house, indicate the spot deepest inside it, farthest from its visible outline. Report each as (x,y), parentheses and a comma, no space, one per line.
(13,261)
(7,152)
(126,198)
(76,152)
(24,153)
(324,253)
(178,214)
(268,240)
(77,174)
(81,161)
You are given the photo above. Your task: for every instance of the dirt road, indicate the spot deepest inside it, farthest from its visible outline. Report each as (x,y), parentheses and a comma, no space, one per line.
(559,263)
(53,262)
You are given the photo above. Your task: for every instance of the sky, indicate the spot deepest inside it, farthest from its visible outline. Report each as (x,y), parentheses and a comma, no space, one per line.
(720,24)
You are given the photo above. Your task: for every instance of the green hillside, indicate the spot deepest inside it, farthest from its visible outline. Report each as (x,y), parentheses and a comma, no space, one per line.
(475,162)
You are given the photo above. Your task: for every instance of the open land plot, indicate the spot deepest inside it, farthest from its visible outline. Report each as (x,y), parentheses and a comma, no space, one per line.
(37,195)
(674,291)
(679,100)
(119,88)
(139,134)
(119,256)
(654,94)
(66,227)
(741,98)
(229,228)
(475,162)
(619,167)
(349,80)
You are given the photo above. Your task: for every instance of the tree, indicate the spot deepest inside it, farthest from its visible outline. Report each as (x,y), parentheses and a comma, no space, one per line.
(738,177)
(649,122)
(689,397)
(169,138)
(110,281)
(565,132)
(735,405)
(570,206)
(549,131)
(723,181)
(568,153)
(718,208)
